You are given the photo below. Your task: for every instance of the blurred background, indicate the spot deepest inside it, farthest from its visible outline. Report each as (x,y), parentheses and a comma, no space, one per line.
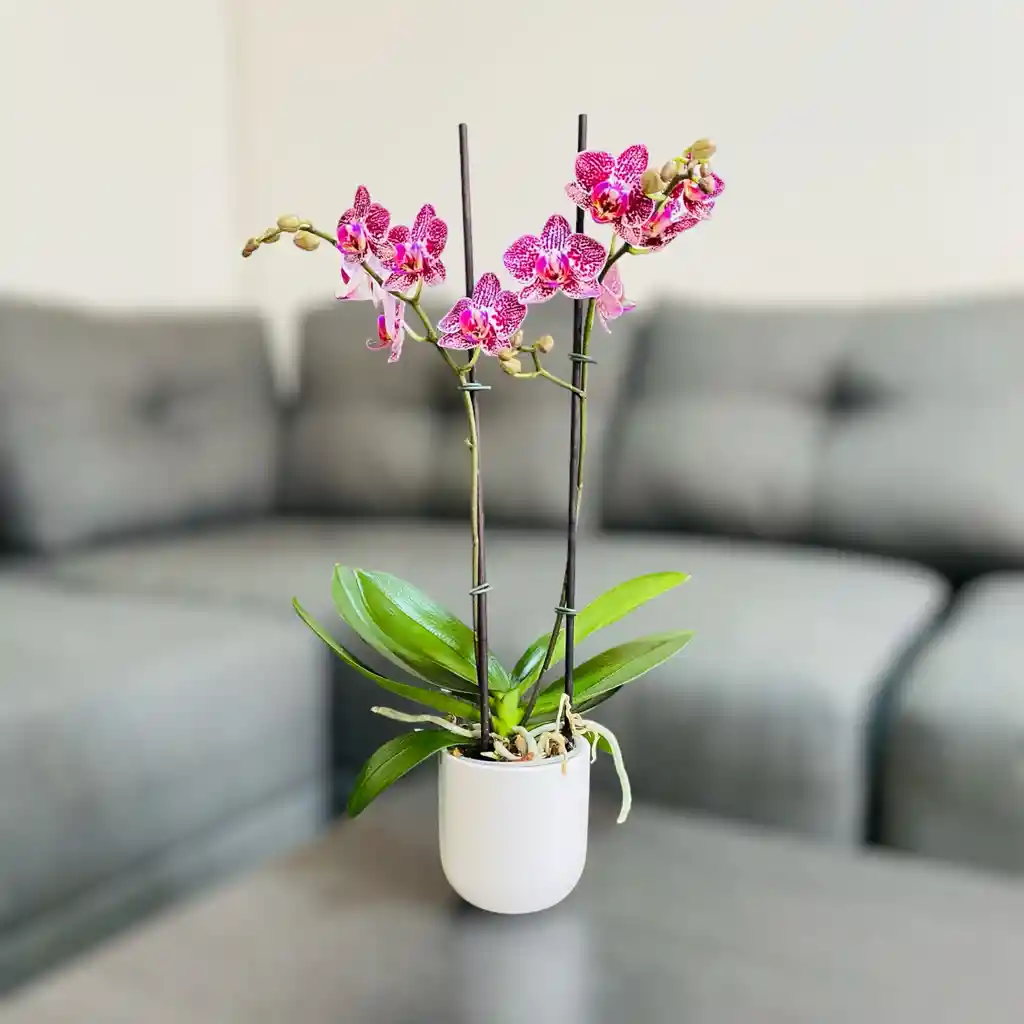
(814,410)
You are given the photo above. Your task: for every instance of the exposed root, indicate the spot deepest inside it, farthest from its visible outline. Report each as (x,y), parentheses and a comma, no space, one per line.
(445,723)
(620,765)
(526,737)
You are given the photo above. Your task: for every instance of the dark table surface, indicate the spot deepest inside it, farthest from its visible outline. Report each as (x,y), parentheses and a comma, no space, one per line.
(676,920)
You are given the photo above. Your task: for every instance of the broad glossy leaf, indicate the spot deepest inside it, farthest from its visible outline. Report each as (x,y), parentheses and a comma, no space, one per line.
(431,698)
(394,759)
(350,603)
(606,672)
(413,624)
(611,606)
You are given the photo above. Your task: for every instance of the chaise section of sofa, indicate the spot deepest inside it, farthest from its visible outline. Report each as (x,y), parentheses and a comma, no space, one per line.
(146,747)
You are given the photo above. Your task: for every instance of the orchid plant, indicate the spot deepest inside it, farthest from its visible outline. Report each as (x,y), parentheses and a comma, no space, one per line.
(477,707)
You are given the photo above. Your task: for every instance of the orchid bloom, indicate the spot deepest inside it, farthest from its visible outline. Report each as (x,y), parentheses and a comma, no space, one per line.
(390,328)
(488,319)
(672,219)
(609,188)
(362,229)
(357,285)
(698,202)
(415,255)
(612,301)
(557,260)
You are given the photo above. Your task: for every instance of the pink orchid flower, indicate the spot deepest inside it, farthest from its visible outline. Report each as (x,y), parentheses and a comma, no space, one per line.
(390,328)
(415,255)
(609,188)
(557,260)
(357,285)
(670,221)
(612,301)
(363,228)
(487,320)
(698,202)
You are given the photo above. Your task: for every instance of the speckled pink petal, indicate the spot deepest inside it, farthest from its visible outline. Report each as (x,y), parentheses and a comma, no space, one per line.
(456,339)
(537,292)
(578,289)
(631,233)
(422,223)
(509,313)
(399,233)
(450,321)
(346,217)
(556,232)
(578,194)
(377,221)
(486,290)
(586,255)
(520,257)
(396,347)
(437,236)
(641,208)
(399,282)
(434,272)
(361,204)
(631,164)
(492,344)
(593,166)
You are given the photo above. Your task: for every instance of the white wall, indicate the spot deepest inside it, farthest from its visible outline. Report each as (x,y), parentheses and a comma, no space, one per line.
(116,176)
(870,148)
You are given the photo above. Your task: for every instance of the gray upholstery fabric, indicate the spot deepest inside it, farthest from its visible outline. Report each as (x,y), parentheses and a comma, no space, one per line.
(888,429)
(739,464)
(943,483)
(364,434)
(129,722)
(197,860)
(115,423)
(954,776)
(763,716)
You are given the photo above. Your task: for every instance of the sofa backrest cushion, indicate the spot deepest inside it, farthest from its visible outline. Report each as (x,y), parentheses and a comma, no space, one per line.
(116,423)
(892,429)
(362,436)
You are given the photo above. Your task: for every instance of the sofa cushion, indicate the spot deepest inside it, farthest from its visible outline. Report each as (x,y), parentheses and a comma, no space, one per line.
(111,423)
(954,774)
(887,429)
(363,436)
(764,716)
(130,721)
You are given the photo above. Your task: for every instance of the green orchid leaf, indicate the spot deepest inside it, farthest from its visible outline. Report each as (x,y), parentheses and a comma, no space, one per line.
(412,626)
(611,606)
(596,679)
(431,698)
(350,603)
(394,759)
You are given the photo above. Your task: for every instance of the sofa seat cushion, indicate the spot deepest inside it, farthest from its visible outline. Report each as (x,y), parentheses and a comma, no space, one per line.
(115,423)
(764,716)
(954,774)
(129,722)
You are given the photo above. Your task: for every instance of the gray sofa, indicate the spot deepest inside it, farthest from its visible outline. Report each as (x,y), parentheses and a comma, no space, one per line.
(830,477)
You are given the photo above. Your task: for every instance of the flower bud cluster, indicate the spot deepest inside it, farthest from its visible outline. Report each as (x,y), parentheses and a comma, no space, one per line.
(289,223)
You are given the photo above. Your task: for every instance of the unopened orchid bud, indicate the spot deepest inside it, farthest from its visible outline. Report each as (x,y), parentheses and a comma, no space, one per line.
(512,366)
(270,236)
(702,150)
(506,353)
(304,240)
(545,344)
(669,170)
(707,185)
(251,246)
(693,171)
(651,182)
(288,222)
(516,341)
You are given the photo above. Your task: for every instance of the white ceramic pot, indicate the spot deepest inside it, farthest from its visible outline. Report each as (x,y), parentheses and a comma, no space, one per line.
(514,835)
